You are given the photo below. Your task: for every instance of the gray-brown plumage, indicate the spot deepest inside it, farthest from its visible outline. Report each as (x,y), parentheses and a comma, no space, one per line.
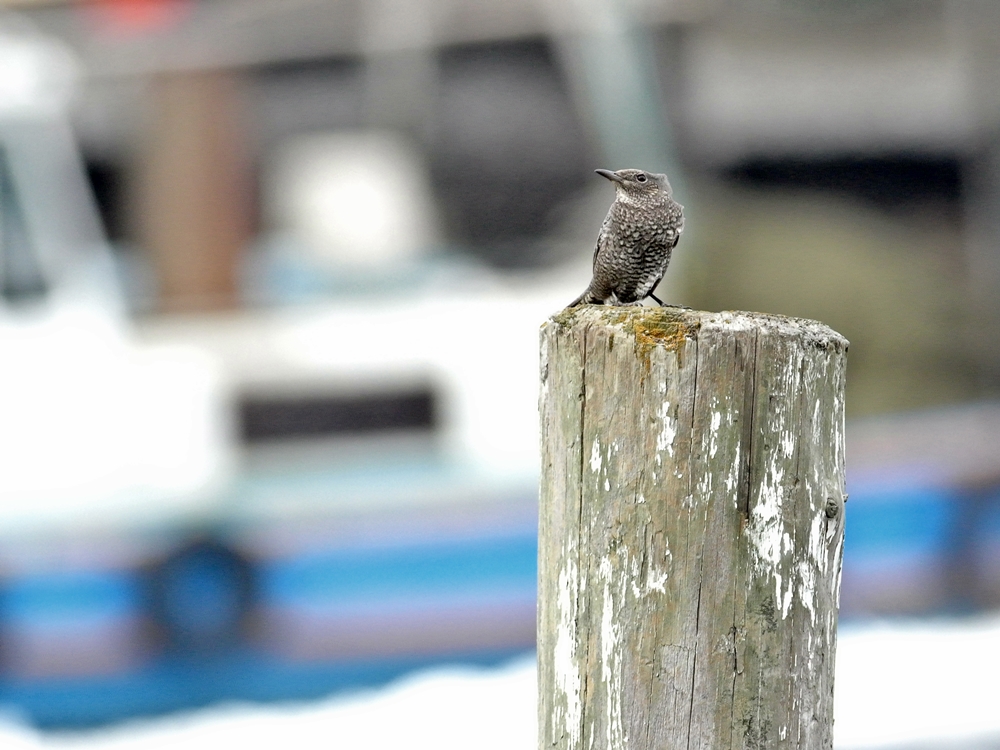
(636,239)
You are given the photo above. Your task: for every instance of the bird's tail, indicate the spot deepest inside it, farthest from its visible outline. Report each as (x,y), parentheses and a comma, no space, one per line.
(584,299)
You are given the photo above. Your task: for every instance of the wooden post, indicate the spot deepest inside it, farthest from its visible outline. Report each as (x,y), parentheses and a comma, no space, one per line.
(691,530)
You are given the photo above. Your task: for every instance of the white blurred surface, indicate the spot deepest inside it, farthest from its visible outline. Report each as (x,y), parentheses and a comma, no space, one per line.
(355,199)
(920,685)
(37,74)
(97,430)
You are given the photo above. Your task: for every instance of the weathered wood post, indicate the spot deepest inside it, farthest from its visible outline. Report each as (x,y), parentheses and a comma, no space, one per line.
(691,530)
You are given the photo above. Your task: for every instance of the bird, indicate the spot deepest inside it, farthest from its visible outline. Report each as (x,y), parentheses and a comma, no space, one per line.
(636,239)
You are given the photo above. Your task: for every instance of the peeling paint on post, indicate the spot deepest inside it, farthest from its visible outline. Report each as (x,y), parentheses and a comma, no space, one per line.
(691,530)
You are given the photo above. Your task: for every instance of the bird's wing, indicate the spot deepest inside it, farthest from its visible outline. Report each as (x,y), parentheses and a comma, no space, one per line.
(672,238)
(673,234)
(602,236)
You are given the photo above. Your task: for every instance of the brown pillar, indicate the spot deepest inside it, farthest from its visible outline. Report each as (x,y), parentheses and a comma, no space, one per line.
(194,207)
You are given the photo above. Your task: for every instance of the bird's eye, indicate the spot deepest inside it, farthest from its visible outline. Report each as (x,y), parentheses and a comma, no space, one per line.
(640,178)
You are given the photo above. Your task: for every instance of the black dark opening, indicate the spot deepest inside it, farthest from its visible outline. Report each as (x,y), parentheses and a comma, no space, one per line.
(107,181)
(887,181)
(264,418)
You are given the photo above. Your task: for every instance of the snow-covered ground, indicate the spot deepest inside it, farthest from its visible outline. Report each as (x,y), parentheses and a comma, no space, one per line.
(925,685)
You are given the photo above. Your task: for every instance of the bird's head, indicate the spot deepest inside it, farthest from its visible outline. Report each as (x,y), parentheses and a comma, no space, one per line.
(637,184)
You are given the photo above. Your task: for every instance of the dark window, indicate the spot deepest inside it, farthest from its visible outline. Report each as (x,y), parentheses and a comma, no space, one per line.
(887,182)
(274,417)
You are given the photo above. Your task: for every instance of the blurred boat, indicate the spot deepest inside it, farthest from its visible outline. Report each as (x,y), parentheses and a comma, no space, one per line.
(280,502)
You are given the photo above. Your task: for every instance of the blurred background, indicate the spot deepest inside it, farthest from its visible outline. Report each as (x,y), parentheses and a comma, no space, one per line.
(271,273)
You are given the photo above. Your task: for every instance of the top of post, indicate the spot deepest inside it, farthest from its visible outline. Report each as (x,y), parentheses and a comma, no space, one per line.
(670,327)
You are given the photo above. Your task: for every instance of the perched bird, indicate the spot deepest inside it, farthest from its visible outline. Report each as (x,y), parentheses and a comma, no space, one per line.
(636,239)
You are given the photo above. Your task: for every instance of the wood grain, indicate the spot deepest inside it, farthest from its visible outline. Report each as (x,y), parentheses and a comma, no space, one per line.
(691,528)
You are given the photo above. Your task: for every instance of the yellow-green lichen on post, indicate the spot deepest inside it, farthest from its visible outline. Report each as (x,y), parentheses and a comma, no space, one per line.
(689,562)
(649,327)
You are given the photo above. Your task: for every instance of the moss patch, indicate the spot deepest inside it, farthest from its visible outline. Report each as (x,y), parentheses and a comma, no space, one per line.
(661,328)
(569,315)
(650,327)
(653,327)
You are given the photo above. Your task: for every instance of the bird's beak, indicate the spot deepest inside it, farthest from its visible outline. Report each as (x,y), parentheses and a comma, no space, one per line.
(609,174)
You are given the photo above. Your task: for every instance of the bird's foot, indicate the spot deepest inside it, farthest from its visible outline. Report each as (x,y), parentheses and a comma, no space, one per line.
(661,303)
